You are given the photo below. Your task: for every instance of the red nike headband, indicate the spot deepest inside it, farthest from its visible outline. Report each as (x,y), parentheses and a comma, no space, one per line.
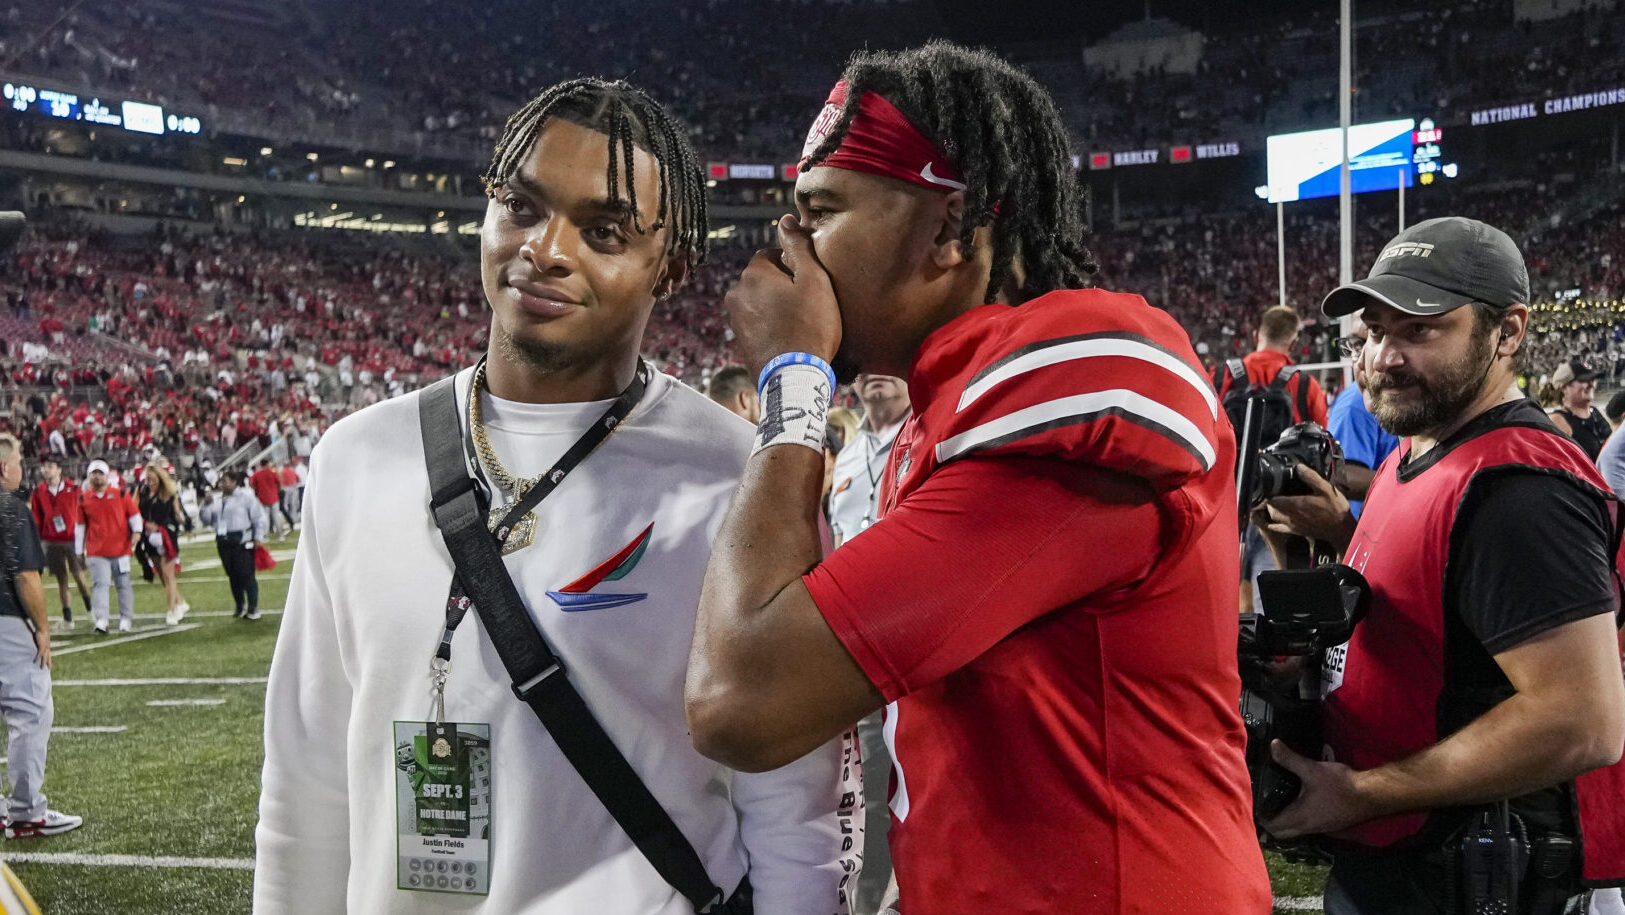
(882,142)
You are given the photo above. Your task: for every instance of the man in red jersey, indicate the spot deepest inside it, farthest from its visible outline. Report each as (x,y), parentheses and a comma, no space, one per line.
(1046,607)
(55,504)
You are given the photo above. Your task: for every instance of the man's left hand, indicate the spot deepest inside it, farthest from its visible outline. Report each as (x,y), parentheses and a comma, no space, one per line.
(1329,801)
(42,644)
(784,303)
(1322,515)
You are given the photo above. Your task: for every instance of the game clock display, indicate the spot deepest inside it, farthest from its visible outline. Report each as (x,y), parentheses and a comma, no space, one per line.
(140,117)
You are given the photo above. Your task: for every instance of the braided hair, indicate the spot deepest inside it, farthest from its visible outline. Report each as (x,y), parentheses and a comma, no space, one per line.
(629,117)
(1004,132)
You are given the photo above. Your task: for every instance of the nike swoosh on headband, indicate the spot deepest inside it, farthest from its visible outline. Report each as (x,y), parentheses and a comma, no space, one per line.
(945,182)
(1422,304)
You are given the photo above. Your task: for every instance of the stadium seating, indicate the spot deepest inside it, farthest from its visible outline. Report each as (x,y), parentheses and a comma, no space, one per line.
(348,320)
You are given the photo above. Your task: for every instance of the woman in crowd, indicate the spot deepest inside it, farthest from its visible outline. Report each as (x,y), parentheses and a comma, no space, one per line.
(159,498)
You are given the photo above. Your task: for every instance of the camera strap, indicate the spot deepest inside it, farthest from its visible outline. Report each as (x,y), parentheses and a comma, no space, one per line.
(539,677)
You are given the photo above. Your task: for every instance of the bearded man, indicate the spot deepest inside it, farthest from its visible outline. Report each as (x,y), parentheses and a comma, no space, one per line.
(1479,704)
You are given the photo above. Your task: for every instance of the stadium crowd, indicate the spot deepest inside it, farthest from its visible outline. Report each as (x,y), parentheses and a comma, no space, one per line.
(354,71)
(212,339)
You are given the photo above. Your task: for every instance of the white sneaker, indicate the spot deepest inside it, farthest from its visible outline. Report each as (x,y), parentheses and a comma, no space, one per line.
(252,615)
(101,628)
(172,617)
(124,625)
(181,610)
(54,823)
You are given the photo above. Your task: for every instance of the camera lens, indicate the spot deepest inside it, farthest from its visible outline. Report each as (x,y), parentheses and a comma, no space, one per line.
(1277,475)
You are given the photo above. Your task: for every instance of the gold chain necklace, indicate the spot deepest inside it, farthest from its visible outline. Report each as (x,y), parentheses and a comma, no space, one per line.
(524,531)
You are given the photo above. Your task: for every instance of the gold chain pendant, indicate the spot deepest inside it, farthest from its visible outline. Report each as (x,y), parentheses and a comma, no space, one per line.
(519,535)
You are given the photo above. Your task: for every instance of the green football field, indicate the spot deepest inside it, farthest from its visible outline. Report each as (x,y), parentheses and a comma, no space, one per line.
(157,745)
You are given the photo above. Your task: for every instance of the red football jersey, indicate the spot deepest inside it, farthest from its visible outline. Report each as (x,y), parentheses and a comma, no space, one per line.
(1048,604)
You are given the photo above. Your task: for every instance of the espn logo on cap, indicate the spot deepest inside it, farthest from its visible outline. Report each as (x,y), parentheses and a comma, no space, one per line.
(1407,248)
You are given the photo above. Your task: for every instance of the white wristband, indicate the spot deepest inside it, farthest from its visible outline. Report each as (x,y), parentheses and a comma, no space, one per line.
(795,408)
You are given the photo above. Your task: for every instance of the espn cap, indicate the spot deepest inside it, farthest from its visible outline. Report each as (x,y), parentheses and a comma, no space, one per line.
(98,465)
(1437,266)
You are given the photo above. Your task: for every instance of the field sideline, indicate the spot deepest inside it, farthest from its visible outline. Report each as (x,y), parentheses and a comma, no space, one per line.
(157,745)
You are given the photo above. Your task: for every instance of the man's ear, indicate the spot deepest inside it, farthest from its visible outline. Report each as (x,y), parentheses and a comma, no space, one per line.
(947,249)
(1512,330)
(672,275)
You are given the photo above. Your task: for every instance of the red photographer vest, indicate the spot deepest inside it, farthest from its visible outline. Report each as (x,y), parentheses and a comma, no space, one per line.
(1384,686)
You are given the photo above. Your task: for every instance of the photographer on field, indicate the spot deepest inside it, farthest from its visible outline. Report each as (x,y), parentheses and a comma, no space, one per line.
(1473,724)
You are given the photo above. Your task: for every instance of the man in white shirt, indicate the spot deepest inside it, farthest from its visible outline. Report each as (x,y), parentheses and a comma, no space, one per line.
(862,461)
(734,388)
(609,571)
(853,504)
(240,524)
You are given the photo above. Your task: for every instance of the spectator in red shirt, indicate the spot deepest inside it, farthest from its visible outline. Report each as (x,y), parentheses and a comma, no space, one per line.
(55,503)
(289,506)
(1277,334)
(106,538)
(267,488)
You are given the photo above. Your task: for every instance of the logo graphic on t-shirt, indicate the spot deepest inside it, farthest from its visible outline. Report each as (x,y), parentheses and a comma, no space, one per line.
(574,596)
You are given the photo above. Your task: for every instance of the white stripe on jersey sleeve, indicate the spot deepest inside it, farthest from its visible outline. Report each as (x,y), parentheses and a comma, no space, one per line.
(888,733)
(1084,349)
(1077,409)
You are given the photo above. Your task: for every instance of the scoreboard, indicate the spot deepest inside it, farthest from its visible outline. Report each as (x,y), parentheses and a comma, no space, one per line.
(1382,157)
(140,117)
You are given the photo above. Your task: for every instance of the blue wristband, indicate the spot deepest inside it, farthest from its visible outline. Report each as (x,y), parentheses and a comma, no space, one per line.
(784,359)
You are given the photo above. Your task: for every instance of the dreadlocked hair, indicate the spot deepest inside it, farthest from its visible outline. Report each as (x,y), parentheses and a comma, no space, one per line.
(629,117)
(1004,132)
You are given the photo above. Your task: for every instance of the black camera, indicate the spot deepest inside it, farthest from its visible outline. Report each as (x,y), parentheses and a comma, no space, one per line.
(1275,472)
(1306,612)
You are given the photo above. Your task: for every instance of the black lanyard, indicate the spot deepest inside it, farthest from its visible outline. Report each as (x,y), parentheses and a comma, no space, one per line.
(869,455)
(457,603)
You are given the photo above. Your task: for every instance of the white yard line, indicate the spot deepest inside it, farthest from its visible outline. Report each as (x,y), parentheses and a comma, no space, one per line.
(178,702)
(40,857)
(261,576)
(93,729)
(205,614)
(136,637)
(84,639)
(165,681)
(202,564)
(1298,903)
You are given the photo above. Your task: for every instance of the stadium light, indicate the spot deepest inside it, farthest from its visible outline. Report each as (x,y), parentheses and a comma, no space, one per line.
(265,150)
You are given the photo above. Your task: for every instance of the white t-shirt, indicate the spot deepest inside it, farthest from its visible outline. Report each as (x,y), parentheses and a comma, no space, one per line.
(856,485)
(365,610)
